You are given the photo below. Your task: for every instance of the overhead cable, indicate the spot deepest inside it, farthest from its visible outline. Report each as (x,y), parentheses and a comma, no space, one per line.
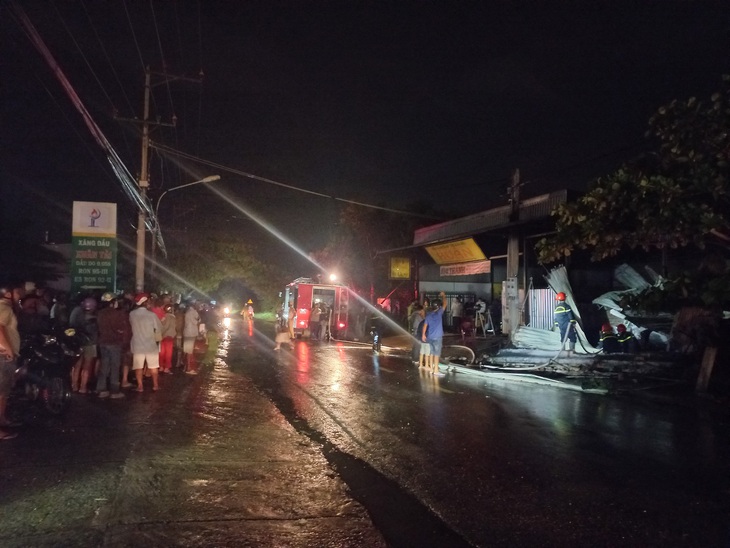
(129,185)
(174,152)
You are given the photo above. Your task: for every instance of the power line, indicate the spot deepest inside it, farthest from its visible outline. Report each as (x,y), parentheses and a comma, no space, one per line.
(70,123)
(174,152)
(83,56)
(162,57)
(134,36)
(108,59)
(91,69)
(121,171)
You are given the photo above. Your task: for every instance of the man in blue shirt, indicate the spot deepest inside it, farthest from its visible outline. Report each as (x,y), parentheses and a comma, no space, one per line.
(432,331)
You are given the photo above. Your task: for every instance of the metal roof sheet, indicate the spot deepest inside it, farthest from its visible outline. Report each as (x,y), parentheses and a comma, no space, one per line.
(531,209)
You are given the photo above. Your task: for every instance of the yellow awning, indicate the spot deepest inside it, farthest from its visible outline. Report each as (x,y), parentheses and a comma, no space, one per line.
(460,251)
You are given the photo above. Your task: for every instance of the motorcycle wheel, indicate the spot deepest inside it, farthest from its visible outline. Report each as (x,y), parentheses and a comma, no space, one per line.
(57,396)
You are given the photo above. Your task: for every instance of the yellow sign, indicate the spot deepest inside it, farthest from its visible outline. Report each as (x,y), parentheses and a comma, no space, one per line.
(400,268)
(461,251)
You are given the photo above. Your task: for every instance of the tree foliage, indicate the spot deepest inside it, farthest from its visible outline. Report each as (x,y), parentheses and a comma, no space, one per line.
(674,197)
(204,263)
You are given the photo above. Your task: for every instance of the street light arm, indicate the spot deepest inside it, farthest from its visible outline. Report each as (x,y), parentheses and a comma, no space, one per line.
(209,179)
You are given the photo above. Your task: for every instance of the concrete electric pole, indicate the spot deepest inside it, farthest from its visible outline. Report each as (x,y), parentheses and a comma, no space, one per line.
(511,320)
(144,181)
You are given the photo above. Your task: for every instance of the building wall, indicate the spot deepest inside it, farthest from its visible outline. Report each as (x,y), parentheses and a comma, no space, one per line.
(430,281)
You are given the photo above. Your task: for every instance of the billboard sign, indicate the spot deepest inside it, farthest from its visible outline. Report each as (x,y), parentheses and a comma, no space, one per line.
(94,249)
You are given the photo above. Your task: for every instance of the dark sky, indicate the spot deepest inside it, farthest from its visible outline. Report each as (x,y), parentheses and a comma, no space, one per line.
(381,102)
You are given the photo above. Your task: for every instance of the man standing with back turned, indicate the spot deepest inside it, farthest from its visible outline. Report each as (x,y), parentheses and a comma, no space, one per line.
(433,331)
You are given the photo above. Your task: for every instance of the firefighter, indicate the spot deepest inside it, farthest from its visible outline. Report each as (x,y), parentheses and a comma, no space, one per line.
(247,311)
(626,340)
(608,341)
(565,322)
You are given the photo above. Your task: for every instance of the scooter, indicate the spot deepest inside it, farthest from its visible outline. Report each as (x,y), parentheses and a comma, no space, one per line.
(44,368)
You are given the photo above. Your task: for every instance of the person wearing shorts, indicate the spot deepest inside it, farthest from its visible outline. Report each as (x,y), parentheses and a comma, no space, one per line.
(423,348)
(146,334)
(191,331)
(433,332)
(424,357)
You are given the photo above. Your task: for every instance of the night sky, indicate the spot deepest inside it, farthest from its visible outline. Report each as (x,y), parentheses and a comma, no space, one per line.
(382,102)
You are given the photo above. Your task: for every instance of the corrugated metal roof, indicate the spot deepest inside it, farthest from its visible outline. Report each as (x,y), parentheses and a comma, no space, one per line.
(531,209)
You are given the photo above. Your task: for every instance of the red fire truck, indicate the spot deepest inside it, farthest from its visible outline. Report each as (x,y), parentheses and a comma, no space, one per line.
(301,295)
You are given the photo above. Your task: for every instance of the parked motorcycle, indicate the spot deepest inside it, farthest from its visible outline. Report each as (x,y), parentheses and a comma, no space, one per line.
(44,367)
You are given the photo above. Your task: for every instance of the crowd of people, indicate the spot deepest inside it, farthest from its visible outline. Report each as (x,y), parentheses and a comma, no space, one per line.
(127,340)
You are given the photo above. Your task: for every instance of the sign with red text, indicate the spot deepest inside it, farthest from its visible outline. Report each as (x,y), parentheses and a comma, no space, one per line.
(466,269)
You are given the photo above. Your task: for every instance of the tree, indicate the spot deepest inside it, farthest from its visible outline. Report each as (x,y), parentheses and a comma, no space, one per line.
(675,197)
(217,260)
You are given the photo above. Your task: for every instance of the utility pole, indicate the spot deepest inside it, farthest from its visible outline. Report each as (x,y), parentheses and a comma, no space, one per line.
(511,285)
(513,242)
(144,181)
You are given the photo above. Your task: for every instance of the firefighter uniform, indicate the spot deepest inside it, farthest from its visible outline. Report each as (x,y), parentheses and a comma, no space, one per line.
(609,341)
(626,340)
(565,322)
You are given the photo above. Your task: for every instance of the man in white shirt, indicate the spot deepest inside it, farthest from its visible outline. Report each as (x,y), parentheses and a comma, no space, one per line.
(191,330)
(146,336)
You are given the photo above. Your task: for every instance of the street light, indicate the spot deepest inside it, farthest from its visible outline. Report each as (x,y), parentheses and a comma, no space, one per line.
(209,179)
(141,242)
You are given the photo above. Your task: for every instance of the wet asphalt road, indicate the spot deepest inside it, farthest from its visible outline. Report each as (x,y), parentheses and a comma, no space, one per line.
(503,463)
(325,444)
(206,461)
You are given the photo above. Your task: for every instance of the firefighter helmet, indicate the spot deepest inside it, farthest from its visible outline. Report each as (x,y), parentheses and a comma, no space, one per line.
(606,328)
(560,296)
(621,328)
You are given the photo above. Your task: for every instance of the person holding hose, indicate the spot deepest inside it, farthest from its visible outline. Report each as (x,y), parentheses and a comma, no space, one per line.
(565,322)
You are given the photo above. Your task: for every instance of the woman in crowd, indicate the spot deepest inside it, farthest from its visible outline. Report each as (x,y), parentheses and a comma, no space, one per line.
(168,340)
